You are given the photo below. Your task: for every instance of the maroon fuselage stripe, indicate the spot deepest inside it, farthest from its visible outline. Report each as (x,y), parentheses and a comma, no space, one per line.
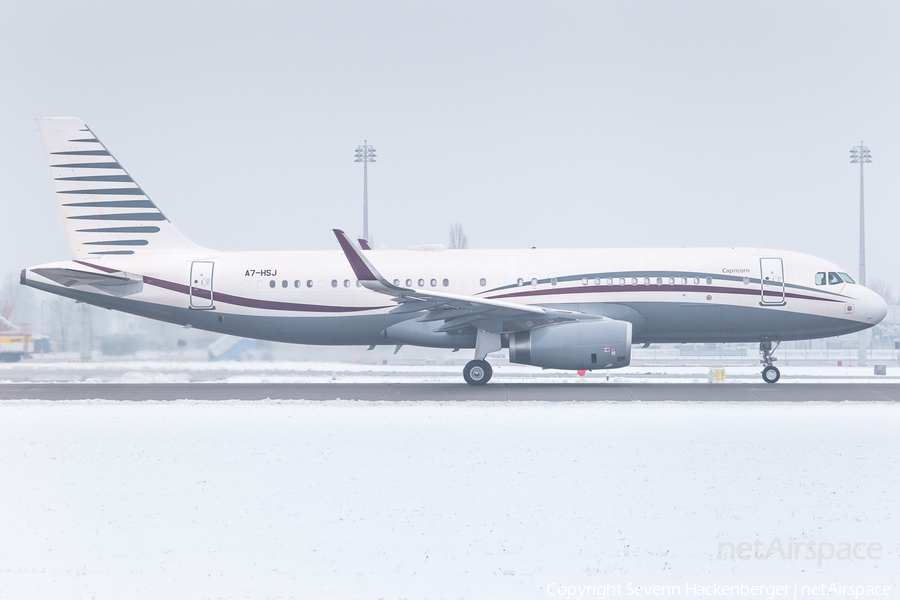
(275,305)
(98,267)
(251,303)
(654,288)
(237,300)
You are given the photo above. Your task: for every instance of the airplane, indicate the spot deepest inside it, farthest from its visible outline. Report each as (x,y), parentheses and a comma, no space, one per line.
(571,309)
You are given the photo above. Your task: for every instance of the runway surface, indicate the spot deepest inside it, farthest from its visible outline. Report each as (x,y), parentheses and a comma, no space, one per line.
(798,392)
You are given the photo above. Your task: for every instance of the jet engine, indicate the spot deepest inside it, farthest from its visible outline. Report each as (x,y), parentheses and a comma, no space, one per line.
(601,344)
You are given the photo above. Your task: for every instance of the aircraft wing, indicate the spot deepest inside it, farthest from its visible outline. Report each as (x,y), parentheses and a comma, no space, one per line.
(457,311)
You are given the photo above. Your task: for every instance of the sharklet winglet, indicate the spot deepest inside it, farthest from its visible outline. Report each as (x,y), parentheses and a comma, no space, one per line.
(363,269)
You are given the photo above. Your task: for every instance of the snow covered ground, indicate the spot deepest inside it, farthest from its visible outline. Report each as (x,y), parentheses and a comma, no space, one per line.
(443,500)
(172,371)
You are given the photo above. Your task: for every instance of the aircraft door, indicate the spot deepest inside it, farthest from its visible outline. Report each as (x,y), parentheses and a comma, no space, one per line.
(771,280)
(201,284)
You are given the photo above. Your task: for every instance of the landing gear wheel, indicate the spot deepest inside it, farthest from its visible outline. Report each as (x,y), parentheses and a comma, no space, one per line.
(477,372)
(771,374)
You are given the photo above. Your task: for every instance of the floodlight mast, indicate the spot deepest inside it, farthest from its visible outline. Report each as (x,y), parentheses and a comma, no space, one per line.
(860,154)
(365,154)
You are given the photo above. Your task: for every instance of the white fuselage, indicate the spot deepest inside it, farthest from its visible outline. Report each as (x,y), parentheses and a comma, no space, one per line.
(670,295)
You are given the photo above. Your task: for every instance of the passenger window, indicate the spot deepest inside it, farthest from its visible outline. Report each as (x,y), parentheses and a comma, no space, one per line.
(520,282)
(846,278)
(659,281)
(482,282)
(421,283)
(358,283)
(296,283)
(671,281)
(634,281)
(596,281)
(609,281)
(396,282)
(709,281)
(434,283)
(553,281)
(646,281)
(621,281)
(684,281)
(272,283)
(334,283)
(284,283)
(584,281)
(309,283)
(409,283)
(446,282)
(820,278)
(696,280)
(346,283)
(834,279)
(534,281)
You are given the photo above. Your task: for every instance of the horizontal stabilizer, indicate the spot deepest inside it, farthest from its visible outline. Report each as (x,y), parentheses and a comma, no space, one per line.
(117,284)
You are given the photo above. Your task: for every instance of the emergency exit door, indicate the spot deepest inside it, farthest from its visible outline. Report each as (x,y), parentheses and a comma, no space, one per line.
(201,284)
(771,280)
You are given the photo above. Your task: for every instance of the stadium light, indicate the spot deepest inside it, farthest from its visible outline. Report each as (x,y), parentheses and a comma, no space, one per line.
(860,154)
(365,154)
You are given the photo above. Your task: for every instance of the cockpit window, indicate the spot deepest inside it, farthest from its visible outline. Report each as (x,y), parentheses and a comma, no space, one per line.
(820,278)
(834,278)
(846,278)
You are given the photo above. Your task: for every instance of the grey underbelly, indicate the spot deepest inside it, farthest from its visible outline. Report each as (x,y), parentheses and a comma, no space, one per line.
(664,322)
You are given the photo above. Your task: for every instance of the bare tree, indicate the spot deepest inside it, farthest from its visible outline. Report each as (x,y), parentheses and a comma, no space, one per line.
(458,238)
(883,289)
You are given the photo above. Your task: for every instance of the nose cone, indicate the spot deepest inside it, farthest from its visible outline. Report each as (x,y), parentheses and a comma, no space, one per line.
(876,308)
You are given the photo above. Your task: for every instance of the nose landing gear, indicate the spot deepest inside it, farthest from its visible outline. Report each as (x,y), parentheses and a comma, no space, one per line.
(770,373)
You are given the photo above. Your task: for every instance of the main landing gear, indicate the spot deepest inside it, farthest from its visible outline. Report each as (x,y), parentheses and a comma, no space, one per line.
(770,373)
(477,372)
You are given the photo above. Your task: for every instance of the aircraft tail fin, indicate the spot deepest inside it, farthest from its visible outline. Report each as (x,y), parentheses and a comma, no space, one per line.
(104,211)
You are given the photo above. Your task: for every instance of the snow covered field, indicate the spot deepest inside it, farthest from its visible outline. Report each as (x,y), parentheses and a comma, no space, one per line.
(171,371)
(443,500)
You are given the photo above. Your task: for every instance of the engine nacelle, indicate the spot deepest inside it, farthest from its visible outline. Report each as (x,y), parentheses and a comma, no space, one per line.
(583,345)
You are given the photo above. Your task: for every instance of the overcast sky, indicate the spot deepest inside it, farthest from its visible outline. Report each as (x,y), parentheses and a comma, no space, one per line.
(592,124)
